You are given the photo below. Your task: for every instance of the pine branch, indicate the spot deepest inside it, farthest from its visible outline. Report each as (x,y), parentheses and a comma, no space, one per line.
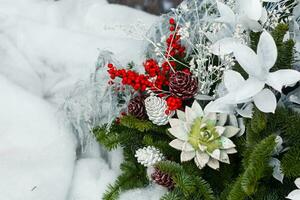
(290,162)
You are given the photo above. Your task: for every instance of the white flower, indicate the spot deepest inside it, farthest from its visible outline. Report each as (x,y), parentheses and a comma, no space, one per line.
(202,136)
(295,195)
(249,13)
(258,67)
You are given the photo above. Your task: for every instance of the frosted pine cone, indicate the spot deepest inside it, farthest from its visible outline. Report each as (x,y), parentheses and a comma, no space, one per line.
(157,110)
(183,85)
(136,107)
(149,156)
(163,179)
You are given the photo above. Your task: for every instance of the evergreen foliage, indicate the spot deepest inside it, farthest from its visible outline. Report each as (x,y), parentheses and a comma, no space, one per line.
(249,175)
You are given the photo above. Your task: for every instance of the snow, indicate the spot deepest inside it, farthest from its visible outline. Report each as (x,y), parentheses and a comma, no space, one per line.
(45,48)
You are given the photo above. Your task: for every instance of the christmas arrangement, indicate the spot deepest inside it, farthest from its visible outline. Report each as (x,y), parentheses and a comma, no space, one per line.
(213,113)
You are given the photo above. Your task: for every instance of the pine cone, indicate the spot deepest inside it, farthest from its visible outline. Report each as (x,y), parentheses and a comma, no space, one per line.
(183,85)
(149,156)
(163,179)
(156,110)
(136,107)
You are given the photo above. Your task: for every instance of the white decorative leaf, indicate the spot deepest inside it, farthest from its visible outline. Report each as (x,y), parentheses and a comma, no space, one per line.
(187,156)
(230,131)
(203,97)
(214,164)
(179,132)
(267,50)
(201,159)
(284,77)
(277,172)
(264,16)
(241,126)
(265,101)
(297,182)
(249,61)
(294,195)
(227,15)
(250,24)
(220,130)
(219,106)
(197,109)
(177,144)
(249,89)
(232,80)
(224,46)
(216,154)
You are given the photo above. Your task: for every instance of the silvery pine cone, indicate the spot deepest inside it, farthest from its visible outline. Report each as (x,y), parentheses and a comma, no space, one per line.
(157,110)
(136,107)
(149,156)
(183,85)
(163,179)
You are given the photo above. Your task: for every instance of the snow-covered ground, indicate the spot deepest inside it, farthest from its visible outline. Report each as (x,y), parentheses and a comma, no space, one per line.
(46,47)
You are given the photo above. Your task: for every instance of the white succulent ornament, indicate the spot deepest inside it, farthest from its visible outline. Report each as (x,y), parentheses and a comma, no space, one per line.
(149,156)
(295,195)
(157,110)
(202,136)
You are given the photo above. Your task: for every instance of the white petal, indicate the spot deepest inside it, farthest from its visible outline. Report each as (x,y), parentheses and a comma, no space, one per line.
(187,156)
(202,147)
(294,195)
(210,117)
(181,115)
(220,130)
(223,47)
(227,15)
(216,154)
(264,16)
(249,89)
(222,119)
(267,50)
(265,101)
(232,80)
(241,126)
(220,105)
(187,147)
(227,143)
(214,164)
(190,115)
(231,151)
(230,131)
(297,182)
(201,159)
(284,77)
(250,24)
(179,132)
(224,157)
(197,109)
(246,111)
(177,144)
(249,61)
(251,8)
(176,122)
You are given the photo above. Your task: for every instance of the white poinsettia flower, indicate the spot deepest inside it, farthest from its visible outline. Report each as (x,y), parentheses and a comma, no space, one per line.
(249,14)
(258,67)
(202,136)
(295,195)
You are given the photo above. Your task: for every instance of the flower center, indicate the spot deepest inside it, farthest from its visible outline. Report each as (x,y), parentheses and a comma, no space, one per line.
(204,134)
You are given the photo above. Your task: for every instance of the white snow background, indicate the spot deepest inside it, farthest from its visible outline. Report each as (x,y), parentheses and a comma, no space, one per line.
(46,47)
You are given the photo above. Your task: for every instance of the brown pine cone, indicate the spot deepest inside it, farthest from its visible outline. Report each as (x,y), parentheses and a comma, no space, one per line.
(136,107)
(163,179)
(183,85)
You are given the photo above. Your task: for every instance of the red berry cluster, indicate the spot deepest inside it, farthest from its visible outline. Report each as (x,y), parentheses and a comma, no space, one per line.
(129,77)
(151,67)
(174,103)
(174,47)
